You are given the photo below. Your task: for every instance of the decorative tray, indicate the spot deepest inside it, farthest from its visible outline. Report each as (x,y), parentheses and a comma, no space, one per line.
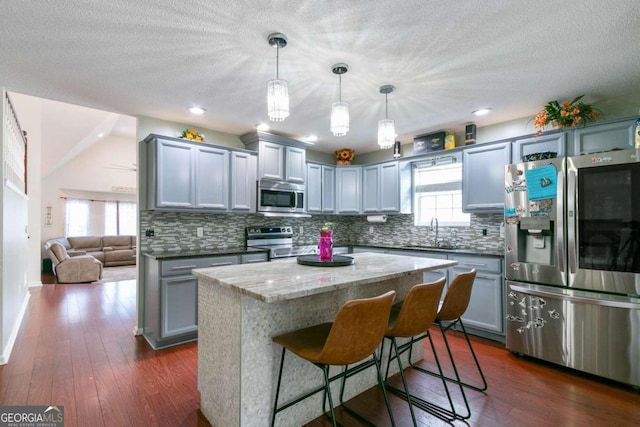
(337,261)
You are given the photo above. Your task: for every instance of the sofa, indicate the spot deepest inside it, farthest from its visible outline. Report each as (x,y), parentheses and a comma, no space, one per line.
(109,250)
(77,269)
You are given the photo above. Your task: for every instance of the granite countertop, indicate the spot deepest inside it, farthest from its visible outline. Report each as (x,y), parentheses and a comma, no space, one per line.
(286,279)
(461,251)
(196,253)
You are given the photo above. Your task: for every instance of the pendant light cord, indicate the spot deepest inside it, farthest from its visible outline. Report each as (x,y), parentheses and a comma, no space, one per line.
(277,62)
(340,87)
(386,106)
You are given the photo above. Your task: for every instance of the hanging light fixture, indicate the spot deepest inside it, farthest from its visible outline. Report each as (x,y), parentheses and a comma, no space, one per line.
(340,109)
(386,127)
(277,89)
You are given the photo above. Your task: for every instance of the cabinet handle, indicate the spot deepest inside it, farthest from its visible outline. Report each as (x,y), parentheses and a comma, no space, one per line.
(254,260)
(475,264)
(219,264)
(184,267)
(188,279)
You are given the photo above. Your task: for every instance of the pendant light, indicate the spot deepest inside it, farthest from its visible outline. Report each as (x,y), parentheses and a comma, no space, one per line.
(277,89)
(340,109)
(386,127)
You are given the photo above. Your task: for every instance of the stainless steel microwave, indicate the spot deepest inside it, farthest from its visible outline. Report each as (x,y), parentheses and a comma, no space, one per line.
(280,196)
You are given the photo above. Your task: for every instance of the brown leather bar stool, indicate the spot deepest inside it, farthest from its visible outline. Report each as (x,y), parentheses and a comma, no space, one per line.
(354,335)
(412,319)
(449,315)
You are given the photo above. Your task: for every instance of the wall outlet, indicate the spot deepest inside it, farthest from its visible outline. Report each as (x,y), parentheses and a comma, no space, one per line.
(484,231)
(199,232)
(149,232)
(371,229)
(301,230)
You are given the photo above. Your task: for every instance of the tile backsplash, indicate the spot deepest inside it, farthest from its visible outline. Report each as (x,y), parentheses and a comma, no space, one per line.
(177,231)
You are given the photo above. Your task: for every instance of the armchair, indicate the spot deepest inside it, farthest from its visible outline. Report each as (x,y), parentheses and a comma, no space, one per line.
(77,269)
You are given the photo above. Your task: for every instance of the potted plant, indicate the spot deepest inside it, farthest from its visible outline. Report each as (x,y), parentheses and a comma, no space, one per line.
(344,156)
(566,114)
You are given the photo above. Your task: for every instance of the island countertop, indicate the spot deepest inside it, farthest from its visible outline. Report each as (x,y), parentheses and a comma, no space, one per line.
(286,279)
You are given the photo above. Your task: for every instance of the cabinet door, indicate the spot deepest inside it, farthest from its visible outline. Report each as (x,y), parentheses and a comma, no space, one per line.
(179,306)
(389,187)
(252,258)
(555,142)
(243,181)
(483,177)
(371,189)
(485,306)
(604,137)
(348,180)
(175,175)
(328,189)
(295,161)
(271,161)
(212,178)
(314,188)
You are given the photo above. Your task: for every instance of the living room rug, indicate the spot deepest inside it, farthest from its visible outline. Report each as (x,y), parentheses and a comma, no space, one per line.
(116,274)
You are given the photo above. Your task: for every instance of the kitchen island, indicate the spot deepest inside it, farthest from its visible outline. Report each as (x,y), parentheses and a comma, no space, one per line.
(240,307)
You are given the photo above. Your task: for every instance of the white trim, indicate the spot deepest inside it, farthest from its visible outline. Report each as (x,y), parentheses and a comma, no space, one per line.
(6,352)
(137,331)
(11,186)
(36,284)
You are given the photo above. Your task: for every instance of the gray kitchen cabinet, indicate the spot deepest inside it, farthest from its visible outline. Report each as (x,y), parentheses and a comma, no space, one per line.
(193,176)
(172,174)
(211,178)
(381,188)
(608,136)
(348,187)
(483,177)
(486,306)
(321,184)
(553,142)
(171,295)
(243,181)
(279,158)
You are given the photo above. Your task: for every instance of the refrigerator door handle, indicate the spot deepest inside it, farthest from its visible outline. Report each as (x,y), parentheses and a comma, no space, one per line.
(571,220)
(575,298)
(560,221)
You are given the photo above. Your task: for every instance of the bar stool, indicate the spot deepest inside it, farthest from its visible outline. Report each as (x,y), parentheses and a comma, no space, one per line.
(453,307)
(412,319)
(354,335)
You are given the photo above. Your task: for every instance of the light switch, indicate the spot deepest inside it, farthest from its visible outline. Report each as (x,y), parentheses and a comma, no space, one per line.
(199,232)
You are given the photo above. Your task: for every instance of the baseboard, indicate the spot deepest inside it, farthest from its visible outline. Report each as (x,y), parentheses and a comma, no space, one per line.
(37,284)
(137,331)
(6,351)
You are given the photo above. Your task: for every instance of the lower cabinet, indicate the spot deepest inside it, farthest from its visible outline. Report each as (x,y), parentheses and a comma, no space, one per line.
(171,296)
(485,313)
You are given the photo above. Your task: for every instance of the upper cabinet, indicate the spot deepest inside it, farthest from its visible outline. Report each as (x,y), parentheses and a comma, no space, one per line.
(279,158)
(185,175)
(604,137)
(483,177)
(381,188)
(321,184)
(554,142)
(244,168)
(348,187)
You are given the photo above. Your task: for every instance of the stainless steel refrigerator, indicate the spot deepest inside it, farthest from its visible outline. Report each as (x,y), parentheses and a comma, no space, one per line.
(572,255)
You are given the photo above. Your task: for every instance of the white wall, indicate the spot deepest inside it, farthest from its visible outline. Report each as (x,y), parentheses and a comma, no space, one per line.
(14,293)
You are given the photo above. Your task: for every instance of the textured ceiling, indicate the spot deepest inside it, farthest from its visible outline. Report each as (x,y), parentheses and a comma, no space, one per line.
(445,58)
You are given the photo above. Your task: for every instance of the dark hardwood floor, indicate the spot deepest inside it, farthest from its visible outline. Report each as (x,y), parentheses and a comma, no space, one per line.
(76,348)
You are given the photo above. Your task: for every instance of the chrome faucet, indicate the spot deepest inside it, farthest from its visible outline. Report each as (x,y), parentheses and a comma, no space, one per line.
(435,220)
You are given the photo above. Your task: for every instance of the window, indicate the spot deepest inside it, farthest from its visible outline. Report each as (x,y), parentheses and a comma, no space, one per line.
(119,218)
(438,193)
(76,217)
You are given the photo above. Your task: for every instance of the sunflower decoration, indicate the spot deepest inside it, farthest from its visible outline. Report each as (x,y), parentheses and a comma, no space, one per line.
(345,156)
(192,135)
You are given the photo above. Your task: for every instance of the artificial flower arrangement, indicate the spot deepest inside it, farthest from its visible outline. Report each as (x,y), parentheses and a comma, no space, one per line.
(345,156)
(563,115)
(191,135)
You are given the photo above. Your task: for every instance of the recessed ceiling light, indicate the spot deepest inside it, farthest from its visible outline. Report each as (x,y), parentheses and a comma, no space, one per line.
(482,111)
(196,110)
(311,138)
(100,135)
(262,127)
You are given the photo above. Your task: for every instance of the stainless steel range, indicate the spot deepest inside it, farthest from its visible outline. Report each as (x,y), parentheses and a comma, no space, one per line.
(278,240)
